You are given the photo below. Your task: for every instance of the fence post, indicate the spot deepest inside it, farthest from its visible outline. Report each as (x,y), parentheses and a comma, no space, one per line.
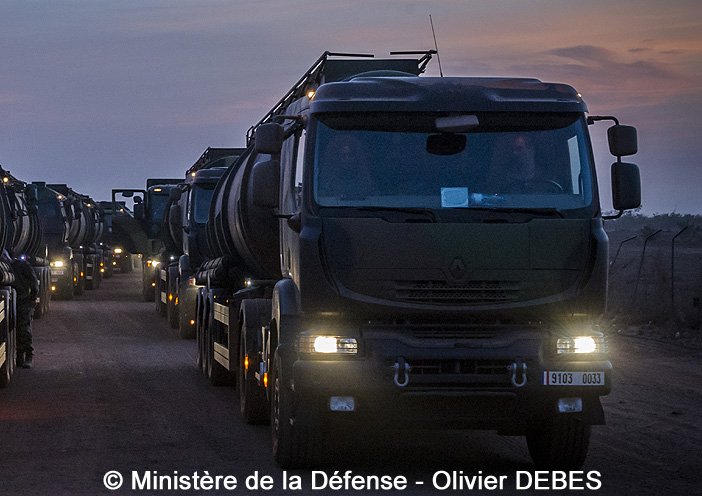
(672,270)
(643,253)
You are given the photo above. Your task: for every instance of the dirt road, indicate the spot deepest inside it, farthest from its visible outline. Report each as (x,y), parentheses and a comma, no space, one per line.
(114,389)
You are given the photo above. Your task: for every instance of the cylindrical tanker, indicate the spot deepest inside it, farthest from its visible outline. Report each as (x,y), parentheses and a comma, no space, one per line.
(243,236)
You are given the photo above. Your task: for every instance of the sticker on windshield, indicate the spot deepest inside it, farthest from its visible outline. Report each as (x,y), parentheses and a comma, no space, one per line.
(454,197)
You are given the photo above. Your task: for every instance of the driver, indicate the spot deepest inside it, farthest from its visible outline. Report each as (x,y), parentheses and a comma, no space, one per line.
(516,170)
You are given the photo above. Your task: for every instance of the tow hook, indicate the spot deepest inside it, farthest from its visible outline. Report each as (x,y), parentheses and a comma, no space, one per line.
(518,368)
(401,369)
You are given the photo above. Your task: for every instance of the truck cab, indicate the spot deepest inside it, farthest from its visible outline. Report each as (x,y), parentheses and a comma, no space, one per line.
(443,259)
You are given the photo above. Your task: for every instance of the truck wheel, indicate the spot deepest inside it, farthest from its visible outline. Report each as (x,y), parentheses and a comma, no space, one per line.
(252,397)
(79,283)
(161,293)
(147,289)
(297,438)
(559,443)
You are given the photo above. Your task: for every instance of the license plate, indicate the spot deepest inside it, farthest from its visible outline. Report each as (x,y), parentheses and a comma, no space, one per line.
(560,378)
(55,272)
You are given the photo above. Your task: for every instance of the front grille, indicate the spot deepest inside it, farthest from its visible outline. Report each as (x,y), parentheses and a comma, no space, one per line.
(473,292)
(459,373)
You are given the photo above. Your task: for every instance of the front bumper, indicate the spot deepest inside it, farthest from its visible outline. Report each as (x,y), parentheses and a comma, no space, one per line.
(491,380)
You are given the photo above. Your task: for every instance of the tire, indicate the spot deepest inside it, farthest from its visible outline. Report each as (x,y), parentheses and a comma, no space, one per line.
(559,443)
(253,402)
(161,307)
(296,434)
(79,284)
(185,329)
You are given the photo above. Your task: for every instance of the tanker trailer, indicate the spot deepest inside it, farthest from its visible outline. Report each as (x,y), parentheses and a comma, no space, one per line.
(27,236)
(424,253)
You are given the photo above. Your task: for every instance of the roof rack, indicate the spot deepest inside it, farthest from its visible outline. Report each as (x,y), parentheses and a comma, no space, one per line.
(317,74)
(210,155)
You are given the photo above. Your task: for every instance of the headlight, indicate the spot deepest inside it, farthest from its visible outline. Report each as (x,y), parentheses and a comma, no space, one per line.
(328,345)
(118,250)
(57,263)
(581,345)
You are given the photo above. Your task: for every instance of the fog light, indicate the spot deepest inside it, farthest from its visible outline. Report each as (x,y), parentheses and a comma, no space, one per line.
(570,405)
(342,404)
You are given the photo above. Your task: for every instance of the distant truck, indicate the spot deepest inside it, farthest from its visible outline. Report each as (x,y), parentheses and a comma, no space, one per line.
(406,251)
(73,228)
(185,237)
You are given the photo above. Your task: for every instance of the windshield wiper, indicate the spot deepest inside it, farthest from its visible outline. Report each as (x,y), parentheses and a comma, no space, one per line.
(405,210)
(544,211)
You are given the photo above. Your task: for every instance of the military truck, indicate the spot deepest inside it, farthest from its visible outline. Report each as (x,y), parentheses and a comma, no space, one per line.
(77,266)
(185,243)
(405,251)
(139,228)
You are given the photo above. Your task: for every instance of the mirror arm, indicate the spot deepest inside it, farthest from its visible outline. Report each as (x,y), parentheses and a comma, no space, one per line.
(591,119)
(612,217)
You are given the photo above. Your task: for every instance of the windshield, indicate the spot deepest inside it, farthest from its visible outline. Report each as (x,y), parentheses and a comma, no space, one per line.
(201,199)
(504,161)
(158,206)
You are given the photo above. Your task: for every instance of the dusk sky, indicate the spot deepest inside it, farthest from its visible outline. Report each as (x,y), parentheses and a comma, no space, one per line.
(104,94)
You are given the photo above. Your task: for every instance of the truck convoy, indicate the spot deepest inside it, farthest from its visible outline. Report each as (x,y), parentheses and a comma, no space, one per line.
(402,250)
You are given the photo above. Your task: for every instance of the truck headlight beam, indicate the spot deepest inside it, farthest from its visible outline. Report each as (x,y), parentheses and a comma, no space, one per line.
(581,345)
(328,345)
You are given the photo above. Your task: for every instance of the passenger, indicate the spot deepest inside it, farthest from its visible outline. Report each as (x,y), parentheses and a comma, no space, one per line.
(27,287)
(345,169)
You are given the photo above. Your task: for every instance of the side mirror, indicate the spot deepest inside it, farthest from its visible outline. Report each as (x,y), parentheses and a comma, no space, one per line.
(139,211)
(31,194)
(268,138)
(175,194)
(626,186)
(175,216)
(622,140)
(265,184)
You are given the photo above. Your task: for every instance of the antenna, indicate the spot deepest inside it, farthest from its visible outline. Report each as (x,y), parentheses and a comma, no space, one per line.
(438,59)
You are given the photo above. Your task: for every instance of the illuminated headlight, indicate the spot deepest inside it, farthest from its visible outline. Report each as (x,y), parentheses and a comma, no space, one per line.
(328,345)
(57,263)
(581,345)
(154,263)
(118,250)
